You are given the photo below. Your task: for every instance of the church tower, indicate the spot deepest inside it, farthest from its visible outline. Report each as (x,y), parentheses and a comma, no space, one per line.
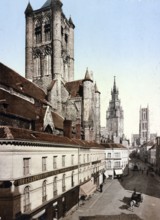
(114,116)
(49,45)
(144,133)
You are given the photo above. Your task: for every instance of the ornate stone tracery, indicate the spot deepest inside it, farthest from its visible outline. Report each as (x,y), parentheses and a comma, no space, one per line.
(42,51)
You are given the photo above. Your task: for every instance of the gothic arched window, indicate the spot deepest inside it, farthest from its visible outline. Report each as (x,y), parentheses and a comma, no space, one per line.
(44,192)
(47,29)
(27,204)
(38,32)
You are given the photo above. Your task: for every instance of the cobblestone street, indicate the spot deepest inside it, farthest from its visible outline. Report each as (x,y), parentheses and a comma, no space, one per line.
(112,203)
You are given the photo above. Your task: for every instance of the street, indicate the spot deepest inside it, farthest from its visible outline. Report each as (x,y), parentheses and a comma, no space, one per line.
(112,203)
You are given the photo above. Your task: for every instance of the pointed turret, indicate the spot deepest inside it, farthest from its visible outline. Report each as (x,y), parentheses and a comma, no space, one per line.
(71,22)
(96,88)
(87,76)
(29,9)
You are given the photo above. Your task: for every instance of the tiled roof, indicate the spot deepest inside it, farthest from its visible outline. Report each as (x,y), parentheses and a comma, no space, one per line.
(112,145)
(10,78)
(18,106)
(17,134)
(75,88)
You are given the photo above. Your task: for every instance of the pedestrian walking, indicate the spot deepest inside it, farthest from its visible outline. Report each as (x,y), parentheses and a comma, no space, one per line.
(101,187)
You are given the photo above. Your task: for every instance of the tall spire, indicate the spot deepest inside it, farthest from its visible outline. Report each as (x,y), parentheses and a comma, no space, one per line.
(114,86)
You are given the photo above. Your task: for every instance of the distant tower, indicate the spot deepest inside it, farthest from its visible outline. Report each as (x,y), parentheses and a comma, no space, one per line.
(144,133)
(114,116)
(49,48)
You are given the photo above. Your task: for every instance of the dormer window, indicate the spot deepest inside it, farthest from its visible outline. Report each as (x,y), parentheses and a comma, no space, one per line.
(38,33)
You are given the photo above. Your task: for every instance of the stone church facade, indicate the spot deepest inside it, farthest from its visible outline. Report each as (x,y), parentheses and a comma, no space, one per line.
(50,65)
(114,117)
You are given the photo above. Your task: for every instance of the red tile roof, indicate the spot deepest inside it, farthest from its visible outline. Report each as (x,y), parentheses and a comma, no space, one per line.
(18,106)
(10,78)
(75,88)
(112,145)
(10,133)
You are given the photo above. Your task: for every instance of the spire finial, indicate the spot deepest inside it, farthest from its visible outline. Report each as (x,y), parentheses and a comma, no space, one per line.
(114,86)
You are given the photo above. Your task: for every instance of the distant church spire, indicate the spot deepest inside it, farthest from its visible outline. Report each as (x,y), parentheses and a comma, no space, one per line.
(115,116)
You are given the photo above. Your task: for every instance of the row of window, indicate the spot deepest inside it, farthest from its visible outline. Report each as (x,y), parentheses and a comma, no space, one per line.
(116,155)
(27,161)
(27,199)
(116,164)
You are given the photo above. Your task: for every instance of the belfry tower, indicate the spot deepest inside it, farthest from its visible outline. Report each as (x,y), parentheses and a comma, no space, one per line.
(49,46)
(114,116)
(144,133)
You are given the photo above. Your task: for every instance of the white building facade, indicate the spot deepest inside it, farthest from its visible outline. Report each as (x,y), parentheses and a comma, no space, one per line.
(41,173)
(117,158)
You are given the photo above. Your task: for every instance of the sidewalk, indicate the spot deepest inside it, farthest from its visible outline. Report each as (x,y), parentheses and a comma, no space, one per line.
(88,204)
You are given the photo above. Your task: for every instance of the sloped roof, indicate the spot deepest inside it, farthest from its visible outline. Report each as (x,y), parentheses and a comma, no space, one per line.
(18,134)
(112,145)
(75,88)
(149,143)
(10,78)
(46,4)
(18,106)
(58,120)
(153,147)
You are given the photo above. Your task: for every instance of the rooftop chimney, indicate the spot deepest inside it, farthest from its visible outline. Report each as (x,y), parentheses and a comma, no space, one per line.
(67,128)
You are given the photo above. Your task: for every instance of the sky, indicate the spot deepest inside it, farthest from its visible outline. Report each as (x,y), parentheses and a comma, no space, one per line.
(112,38)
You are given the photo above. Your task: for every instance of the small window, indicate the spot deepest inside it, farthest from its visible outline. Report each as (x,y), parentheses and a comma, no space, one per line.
(55,186)
(63,160)
(72,179)
(44,163)
(55,162)
(63,183)
(26,166)
(72,159)
(44,192)
(27,205)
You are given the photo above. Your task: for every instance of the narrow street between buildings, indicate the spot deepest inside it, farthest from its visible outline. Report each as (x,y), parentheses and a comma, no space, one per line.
(113,202)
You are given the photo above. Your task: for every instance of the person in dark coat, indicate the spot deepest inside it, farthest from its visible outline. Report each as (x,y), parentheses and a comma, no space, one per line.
(101,187)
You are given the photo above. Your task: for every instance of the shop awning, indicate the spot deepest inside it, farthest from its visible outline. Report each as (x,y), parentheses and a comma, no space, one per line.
(119,172)
(87,189)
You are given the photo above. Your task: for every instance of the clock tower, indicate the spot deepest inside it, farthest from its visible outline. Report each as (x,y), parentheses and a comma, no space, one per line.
(114,116)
